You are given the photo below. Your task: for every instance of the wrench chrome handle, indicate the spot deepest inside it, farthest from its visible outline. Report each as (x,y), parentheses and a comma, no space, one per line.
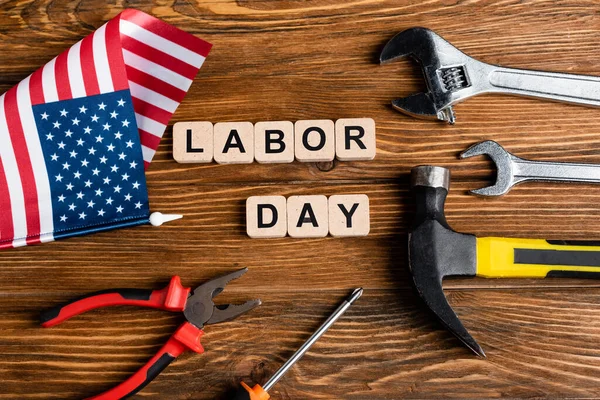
(512,169)
(453,76)
(526,170)
(570,88)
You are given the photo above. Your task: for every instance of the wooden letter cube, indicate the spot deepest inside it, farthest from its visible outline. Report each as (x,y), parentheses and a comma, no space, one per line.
(266,216)
(349,215)
(307,216)
(234,142)
(193,142)
(274,142)
(314,140)
(355,139)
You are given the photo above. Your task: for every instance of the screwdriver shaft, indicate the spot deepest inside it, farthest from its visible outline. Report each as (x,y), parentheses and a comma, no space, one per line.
(311,340)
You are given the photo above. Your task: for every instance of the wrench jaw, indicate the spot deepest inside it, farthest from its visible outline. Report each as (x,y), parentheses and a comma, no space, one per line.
(444,69)
(419,105)
(504,162)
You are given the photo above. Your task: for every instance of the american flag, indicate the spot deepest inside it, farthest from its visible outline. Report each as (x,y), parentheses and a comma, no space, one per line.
(77,134)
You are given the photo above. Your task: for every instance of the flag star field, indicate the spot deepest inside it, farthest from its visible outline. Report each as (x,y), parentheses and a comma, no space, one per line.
(93,155)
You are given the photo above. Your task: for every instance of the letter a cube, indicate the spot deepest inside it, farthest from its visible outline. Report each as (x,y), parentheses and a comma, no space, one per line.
(307,216)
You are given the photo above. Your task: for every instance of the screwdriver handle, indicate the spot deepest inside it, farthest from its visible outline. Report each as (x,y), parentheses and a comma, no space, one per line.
(248,393)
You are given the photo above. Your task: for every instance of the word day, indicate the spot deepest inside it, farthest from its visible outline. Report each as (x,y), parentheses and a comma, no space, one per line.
(348,139)
(307,216)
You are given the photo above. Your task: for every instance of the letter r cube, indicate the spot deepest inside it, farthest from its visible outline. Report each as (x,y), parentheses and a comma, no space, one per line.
(355,139)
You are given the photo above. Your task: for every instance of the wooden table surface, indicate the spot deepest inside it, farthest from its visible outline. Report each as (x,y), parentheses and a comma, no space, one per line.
(291,60)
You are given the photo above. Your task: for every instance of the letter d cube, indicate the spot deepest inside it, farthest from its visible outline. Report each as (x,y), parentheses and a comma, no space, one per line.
(266,216)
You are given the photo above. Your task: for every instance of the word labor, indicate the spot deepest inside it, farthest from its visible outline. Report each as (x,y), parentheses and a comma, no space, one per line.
(349,139)
(307,216)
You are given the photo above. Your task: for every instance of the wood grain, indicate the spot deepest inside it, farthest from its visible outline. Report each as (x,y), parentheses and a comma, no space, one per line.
(317,59)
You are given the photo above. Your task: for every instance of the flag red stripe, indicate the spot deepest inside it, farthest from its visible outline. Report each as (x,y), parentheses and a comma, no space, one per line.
(150,82)
(158,57)
(115,55)
(61,71)
(6,223)
(36,89)
(151,111)
(17,137)
(149,140)
(167,31)
(88,69)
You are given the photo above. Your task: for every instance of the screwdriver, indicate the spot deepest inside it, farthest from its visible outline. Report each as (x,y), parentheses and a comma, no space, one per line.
(260,392)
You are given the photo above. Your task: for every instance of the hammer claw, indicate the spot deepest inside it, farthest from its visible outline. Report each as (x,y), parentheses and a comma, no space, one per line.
(446,315)
(435,251)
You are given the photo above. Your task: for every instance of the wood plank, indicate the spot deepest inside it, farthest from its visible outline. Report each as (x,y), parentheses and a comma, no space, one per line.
(352,74)
(211,239)
(290,60)
(538,344)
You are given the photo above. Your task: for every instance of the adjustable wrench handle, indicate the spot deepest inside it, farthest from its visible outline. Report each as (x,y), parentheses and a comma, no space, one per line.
(570,88)
(526,170)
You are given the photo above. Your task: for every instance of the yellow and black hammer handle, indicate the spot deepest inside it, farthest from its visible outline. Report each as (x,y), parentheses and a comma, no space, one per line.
(534,258)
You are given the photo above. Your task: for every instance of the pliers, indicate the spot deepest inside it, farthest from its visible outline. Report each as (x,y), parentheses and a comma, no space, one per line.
(198,309)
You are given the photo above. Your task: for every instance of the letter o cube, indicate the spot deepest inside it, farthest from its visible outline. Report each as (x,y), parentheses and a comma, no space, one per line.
(314,140)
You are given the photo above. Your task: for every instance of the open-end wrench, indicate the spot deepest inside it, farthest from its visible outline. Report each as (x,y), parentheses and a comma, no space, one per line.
(452,76)
(512,169)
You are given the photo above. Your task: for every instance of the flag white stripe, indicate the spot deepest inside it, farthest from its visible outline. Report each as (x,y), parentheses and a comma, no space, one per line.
(20,242)
(160,43)
(147,153)
(36,156)
(105,82)
(49,82)
(47,237)
(149,125)
(75,73)
(13,179)
(157,71)
(152,97)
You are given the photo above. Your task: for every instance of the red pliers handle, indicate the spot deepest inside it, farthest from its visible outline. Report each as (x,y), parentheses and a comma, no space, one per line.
(171,298)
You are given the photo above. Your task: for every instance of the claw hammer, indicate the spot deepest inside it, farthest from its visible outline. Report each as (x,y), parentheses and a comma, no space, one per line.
(436,251)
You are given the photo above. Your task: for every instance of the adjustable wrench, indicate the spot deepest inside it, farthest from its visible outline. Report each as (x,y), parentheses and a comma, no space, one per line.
(452,76)
(513,170)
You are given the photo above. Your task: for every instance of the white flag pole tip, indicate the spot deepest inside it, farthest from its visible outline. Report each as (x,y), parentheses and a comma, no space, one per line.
(157,218)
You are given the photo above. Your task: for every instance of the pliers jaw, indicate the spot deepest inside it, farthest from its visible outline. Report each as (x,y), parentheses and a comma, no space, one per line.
(200,309)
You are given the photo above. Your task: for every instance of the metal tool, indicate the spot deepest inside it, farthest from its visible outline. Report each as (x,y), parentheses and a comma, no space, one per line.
(436,251)
(452,76)
(197,307)
(260,393)
(513,170)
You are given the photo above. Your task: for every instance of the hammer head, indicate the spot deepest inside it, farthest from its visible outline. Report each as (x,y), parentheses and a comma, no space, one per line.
(436,251)
(444,69)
